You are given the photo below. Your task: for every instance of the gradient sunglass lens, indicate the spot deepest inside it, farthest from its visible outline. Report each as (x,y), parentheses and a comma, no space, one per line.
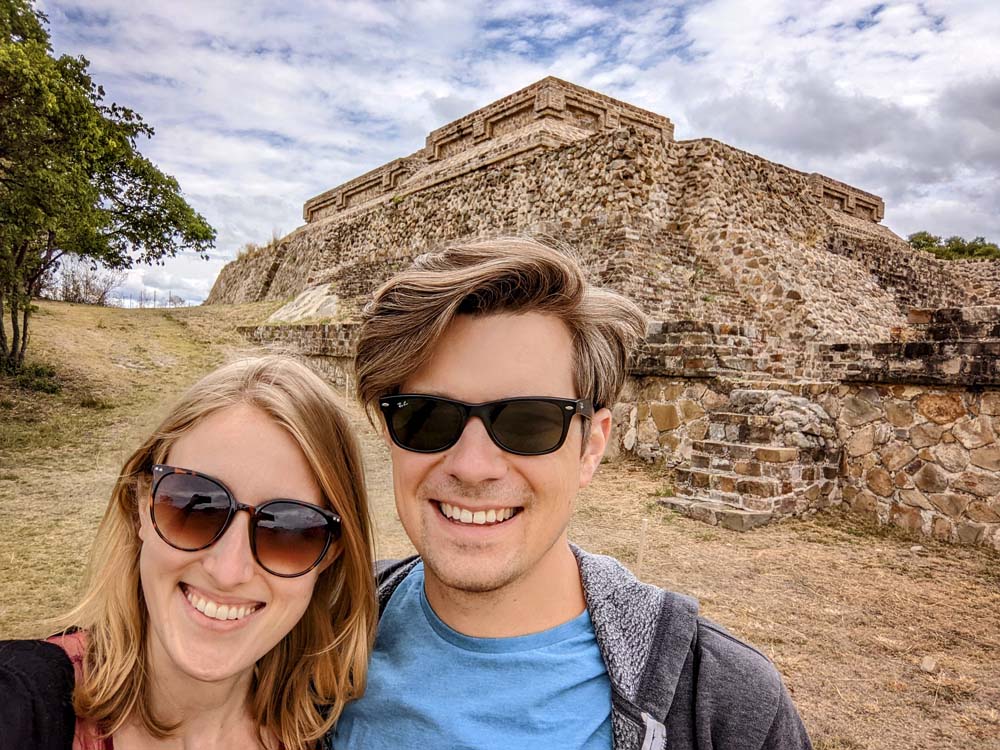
(190,511)
(528,426)
(290,537)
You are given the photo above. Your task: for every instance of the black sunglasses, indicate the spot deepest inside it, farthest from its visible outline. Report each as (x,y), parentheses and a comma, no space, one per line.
(191,511)
(528,426)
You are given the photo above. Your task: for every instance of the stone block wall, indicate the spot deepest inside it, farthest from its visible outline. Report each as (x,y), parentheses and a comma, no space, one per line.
(923,458)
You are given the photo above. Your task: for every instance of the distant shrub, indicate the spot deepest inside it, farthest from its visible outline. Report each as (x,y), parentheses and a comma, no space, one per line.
(38,377)
(252,249)
(954,248)
(83,281)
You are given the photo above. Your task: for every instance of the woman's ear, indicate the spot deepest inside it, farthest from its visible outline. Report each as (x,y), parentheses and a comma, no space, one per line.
(332,555)
(141,487)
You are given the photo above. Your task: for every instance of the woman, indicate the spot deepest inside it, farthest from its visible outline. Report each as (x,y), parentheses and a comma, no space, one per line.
(231,601)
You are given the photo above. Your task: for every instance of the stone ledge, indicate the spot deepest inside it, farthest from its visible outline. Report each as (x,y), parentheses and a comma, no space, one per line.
(717,514)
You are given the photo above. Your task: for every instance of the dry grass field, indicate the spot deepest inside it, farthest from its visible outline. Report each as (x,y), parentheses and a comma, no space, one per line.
(848,612)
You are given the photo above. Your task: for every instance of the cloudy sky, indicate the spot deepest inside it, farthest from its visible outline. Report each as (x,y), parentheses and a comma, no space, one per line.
(259,106)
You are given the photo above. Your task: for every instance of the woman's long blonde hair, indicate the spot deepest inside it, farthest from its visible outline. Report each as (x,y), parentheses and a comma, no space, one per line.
(302,684)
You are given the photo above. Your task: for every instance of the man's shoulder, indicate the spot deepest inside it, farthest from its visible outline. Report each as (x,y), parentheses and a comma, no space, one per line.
(659,648)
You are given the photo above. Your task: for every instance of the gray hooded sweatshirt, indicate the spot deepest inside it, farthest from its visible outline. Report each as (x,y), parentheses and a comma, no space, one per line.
(678,681)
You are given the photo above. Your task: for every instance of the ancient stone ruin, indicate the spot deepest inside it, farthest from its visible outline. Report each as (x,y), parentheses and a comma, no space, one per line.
(800,354)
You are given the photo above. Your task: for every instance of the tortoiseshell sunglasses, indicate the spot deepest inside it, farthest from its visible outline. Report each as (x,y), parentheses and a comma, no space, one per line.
(191,511)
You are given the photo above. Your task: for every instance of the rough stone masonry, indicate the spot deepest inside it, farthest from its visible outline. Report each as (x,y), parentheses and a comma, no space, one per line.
(801,355)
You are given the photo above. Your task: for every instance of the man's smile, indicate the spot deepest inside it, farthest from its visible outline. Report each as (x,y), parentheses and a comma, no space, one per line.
(478,517)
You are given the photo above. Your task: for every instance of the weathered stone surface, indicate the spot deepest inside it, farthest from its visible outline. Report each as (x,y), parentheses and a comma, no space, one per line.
(865,504)
(952,504)
(969,532)
(991,403)
(906,517)
(979,510)
(776,455)
(698,430)
(714,401)
(941,408)
(862,442)
(628,442)
(648,433)
(880,482)
(690,410)
(973,433)
(665,416)
(858,411)
(915,498)
(896,455)
(986,458)
(925,434)
(977,483)
(942,529)
(931,479)
(951,456)
(899,413)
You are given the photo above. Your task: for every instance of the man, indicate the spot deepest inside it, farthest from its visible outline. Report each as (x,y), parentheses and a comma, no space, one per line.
(493,366)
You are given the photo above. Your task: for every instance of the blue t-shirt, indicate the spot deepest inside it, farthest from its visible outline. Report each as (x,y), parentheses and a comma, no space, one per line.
(431,687)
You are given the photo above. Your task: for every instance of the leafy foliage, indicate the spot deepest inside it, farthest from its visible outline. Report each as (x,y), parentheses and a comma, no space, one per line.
(954,248)
(71,177)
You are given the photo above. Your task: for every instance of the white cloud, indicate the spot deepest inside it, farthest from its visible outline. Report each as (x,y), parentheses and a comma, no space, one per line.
(258,105)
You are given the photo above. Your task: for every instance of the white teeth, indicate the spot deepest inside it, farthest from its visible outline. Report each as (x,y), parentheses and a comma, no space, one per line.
(479,517)
(219,611)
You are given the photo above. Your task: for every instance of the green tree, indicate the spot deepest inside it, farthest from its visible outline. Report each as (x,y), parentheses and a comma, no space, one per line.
(955,247)
(71,177)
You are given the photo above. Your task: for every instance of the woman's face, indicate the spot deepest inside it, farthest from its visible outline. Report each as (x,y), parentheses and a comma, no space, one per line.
(258,461)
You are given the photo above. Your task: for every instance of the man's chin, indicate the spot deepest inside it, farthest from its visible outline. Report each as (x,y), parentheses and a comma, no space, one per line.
(462,579)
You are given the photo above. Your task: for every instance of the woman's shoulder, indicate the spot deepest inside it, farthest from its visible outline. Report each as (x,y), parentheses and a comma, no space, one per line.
(36,694)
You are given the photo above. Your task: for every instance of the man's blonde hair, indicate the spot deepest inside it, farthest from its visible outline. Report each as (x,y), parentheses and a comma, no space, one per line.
(411,311)
(301,685)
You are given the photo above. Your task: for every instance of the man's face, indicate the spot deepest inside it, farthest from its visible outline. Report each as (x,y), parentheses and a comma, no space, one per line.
(484,359)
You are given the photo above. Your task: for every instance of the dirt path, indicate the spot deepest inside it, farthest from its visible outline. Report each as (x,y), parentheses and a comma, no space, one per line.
(848,612)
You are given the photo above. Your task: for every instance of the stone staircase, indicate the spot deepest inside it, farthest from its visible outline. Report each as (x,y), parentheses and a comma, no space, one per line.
(744,472)
(696,348)
(951,345)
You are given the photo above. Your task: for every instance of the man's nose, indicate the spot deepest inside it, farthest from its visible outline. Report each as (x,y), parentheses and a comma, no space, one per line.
(475,457)
(230,560)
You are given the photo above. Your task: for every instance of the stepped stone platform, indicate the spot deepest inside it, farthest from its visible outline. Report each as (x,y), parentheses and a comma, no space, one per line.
(800,355)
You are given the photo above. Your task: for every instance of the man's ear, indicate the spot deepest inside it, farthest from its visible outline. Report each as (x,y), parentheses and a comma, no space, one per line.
(595,441)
